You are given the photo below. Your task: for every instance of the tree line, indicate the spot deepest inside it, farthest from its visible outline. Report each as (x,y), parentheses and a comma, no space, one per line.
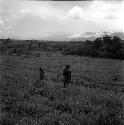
(102,47)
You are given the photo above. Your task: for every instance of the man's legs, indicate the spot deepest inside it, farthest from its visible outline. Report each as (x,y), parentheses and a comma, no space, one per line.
(41,77)
(66,83)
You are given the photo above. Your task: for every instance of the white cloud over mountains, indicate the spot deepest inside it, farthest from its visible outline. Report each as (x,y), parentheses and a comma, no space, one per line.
(48,17)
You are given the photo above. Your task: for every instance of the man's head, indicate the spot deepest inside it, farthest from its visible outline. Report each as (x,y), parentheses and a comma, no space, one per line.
(67,66)
(40,69)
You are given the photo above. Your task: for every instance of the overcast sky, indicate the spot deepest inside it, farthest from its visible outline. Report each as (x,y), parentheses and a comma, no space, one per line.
(39,19)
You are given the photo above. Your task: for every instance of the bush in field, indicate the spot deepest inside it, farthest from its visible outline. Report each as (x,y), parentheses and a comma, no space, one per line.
(97,43)
(107,39)
(116,42)
(88,42)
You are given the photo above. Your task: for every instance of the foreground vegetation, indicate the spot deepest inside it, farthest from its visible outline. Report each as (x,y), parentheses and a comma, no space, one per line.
(48,103)
(24,100)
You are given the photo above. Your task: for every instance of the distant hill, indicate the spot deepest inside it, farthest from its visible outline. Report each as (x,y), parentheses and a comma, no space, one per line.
(92,36)
(62,36)
(80,36)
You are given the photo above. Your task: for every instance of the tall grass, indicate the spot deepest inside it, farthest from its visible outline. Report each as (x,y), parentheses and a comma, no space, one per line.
(48,104)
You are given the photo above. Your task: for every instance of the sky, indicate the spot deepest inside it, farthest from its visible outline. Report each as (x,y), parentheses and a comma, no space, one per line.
(42,19)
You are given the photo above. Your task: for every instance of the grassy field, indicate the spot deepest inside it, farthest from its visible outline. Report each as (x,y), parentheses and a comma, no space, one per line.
(98,70)
(26,101)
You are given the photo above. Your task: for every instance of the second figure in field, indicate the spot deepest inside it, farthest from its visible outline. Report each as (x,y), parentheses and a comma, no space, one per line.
(67,75)
(41,73)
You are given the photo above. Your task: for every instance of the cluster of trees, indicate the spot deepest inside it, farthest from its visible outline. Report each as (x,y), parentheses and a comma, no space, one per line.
(106,46)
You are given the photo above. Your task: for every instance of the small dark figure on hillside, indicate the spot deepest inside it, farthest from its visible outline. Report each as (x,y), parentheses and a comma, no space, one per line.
(67,75)
(41,74)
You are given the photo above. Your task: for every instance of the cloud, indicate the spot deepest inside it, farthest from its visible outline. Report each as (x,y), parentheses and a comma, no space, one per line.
(8,12)
(109,14)
(41,9)
(75,13)
(74,35)
(98,10)
(116,13)
(25,11)
(31,17)
(110,17)
(105,11)
(1,22)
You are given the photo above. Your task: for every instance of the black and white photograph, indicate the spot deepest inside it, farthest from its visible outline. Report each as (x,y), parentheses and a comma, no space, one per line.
(61,62)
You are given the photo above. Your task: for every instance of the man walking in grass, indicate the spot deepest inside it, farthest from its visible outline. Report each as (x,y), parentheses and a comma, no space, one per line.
(67,75)
(41,74)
